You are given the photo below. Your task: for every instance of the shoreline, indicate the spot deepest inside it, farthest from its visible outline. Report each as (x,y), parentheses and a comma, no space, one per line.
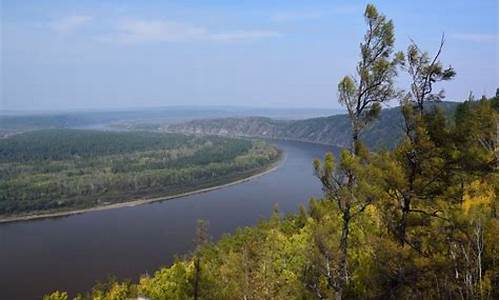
(273,167)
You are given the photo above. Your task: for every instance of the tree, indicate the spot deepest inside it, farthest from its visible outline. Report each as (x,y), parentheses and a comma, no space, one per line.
(374,81)
(424,72)
(362,95)
(200,241)
(57,295)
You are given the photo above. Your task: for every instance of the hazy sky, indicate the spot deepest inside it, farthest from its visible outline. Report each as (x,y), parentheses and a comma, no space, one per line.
(114,54)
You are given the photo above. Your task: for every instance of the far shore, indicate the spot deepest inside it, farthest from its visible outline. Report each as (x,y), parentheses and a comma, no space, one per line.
(273,167)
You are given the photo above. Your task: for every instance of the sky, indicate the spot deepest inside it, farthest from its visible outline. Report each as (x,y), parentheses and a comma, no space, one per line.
(288,54)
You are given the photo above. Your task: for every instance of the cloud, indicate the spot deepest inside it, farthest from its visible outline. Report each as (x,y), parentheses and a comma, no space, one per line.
(293,16)
(475,37)
(143,31)
(138,31)
(69,24)
(244,35)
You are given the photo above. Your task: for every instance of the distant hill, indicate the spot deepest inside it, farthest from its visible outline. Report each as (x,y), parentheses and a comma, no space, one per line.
(335,130)
(12,122)
(174,114)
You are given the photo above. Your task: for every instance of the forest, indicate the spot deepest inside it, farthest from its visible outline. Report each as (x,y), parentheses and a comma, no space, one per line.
(63,169)
(418,221)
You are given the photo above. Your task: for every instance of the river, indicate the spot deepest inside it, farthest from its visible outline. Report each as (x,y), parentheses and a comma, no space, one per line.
(72,253)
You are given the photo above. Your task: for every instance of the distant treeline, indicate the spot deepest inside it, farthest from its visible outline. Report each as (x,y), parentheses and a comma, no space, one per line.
(62,169)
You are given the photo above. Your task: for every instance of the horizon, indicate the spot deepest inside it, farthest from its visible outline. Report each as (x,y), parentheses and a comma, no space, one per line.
(102,55)
(165,107)
(180,107)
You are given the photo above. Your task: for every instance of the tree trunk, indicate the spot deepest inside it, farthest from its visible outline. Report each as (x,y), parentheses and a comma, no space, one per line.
(407,197)
(344,246)
(346,218)
(355,139)
(197,270)
(405,209)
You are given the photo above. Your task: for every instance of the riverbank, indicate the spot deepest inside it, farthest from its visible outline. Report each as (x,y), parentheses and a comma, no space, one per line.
(271,168)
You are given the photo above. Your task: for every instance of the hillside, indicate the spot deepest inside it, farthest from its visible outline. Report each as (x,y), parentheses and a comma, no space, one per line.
(334,130)
(12,122)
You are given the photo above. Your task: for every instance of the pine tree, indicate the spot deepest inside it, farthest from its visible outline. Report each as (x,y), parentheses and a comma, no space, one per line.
(362,95)
(424,72)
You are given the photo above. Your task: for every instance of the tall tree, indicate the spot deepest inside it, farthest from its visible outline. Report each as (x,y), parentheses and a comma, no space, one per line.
(374,81)
(200,241)
(423,72)
(362,95)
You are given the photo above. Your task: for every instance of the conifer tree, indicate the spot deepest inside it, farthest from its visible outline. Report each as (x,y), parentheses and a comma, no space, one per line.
(424,72)
(362,95)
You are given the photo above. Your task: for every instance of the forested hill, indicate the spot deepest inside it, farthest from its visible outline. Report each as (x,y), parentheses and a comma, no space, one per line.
(335,130)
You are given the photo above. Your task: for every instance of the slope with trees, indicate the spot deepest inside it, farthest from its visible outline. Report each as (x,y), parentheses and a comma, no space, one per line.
(419,221)
(383,132)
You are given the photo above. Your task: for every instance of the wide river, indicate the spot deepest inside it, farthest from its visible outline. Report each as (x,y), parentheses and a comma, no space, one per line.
(72,253)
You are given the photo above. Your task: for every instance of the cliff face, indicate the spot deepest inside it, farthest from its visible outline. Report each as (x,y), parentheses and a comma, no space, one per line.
(385,132)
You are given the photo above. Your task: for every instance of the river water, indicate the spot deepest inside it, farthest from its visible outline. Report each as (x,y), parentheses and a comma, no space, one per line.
(72,253)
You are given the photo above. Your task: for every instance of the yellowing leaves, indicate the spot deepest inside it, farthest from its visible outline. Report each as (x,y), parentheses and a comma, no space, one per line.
(478,194)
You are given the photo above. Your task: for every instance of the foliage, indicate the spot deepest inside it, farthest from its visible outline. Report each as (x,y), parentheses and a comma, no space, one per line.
(375,72)
(64,169)
(57,295)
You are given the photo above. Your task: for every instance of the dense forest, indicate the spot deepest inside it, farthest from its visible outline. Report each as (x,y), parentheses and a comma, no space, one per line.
(419,221)
(62,169)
